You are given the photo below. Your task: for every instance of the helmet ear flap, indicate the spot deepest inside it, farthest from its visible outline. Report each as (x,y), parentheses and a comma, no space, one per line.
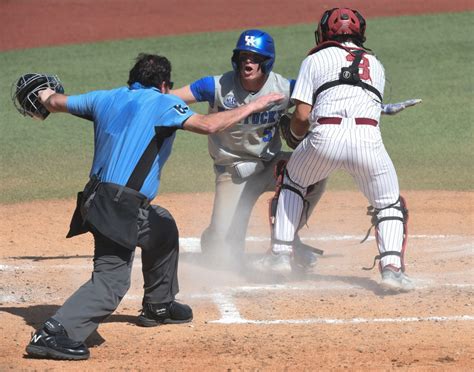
(267,65)
(235,60)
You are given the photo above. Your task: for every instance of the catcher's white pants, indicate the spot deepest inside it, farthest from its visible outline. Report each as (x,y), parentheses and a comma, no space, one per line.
(360,151)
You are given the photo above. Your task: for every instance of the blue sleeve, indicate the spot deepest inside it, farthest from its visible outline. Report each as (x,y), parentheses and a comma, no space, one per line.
(292,85)
(82,104)
(177,113)
(204,89)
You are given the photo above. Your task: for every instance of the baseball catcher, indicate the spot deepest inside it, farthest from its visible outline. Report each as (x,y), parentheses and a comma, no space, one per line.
(25,90)
(344,134)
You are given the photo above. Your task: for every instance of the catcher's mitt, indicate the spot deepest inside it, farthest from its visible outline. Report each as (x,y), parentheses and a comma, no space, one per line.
(285,131)
(24,93)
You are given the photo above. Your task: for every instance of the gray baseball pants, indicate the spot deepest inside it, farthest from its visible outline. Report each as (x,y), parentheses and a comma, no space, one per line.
(234,201)
(98,298)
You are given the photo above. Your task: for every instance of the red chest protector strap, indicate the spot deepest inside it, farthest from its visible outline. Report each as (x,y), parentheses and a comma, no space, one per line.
(348,75)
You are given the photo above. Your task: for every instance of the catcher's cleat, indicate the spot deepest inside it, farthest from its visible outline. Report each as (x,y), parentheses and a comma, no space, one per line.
(305,259)
(52,342)
(173,312)
(395,280)
(274,262)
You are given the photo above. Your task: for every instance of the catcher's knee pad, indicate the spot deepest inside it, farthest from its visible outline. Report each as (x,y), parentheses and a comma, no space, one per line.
(279,174)
(313,195)
(283,181)
(303,255)
(397,211)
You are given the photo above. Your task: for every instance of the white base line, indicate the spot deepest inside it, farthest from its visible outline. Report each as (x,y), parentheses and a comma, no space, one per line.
(192,244)
(231,315)
(229,312)
(239,320)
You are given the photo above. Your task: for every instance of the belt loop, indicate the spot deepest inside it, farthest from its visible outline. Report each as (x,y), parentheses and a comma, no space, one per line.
(119,194)
(366,121)
(334,120)
(338,120)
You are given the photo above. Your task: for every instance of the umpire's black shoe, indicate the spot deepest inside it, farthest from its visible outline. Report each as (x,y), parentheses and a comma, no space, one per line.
(170,313)
(52,342)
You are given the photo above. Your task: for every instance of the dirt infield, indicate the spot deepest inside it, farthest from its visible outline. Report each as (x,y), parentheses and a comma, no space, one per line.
(335,318)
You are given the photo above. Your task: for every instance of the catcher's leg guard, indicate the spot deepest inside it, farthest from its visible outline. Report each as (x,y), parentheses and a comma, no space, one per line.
(394,212)
(303,254)
(280,172)
(273,203)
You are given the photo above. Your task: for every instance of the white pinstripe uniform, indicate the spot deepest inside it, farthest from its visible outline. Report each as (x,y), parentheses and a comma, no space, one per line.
(356,148)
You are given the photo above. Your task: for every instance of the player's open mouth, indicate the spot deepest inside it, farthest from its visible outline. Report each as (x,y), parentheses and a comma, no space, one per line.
(248,69)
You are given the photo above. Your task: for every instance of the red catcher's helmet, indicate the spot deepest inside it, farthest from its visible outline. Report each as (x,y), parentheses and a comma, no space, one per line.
(340,21)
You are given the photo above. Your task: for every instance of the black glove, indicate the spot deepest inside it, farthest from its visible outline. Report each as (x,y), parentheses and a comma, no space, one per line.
(285,131)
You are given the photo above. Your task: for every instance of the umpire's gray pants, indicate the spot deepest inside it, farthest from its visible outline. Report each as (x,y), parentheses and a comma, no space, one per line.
(94,301)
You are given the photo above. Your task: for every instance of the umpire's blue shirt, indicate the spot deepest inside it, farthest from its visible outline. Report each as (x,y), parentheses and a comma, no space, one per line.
(124,124)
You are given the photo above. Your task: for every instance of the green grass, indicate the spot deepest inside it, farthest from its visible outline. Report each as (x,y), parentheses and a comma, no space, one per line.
(426,57)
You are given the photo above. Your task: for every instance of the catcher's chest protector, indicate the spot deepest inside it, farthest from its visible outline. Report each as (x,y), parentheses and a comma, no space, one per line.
(348,75)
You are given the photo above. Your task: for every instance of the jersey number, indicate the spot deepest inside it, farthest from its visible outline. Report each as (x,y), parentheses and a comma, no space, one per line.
(268,134)
(364,67)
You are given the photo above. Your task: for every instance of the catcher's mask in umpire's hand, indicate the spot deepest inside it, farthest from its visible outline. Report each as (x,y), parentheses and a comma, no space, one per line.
(25,90)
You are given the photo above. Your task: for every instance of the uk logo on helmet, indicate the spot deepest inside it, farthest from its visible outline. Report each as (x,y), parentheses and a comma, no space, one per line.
(250,41)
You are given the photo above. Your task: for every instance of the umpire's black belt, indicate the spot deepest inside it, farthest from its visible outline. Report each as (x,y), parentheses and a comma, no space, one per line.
(358,121)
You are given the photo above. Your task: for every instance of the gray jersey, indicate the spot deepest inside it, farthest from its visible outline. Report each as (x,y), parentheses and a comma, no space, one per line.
(256,137)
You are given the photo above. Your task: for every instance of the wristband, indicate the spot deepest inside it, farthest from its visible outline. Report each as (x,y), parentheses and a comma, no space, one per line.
(296,136)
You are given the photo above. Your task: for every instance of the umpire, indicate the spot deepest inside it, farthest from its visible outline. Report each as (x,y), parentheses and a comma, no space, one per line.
(134,128)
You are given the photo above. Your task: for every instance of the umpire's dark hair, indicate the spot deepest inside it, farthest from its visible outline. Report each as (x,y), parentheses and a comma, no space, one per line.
(150,70)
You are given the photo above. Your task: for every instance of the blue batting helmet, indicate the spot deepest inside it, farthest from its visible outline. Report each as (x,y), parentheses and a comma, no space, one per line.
(258,42)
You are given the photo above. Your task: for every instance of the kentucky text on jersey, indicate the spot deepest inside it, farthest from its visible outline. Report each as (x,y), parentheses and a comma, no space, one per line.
(264,117)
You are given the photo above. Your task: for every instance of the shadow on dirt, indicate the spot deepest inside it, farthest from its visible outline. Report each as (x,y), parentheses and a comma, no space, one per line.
(35,315)
(44,258)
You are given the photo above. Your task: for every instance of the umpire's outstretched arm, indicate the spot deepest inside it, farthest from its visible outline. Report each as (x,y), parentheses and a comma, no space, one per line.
(219,121)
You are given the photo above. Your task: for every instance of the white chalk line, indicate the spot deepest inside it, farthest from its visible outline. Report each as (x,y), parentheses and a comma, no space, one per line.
(230,291)
(192,244)
(346,321)
(231,315)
